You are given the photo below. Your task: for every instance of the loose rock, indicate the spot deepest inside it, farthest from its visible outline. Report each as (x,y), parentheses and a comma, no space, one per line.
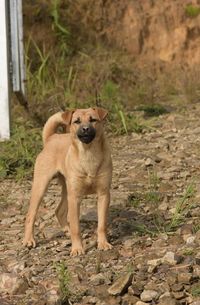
(121,285)
(149,295)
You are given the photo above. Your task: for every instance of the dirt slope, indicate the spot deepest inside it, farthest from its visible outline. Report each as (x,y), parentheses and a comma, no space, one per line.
(151,31)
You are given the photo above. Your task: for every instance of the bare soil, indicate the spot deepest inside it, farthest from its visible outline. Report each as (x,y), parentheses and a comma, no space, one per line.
(152,171)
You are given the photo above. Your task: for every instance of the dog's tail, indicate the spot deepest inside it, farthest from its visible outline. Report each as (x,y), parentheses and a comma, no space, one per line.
(51,126)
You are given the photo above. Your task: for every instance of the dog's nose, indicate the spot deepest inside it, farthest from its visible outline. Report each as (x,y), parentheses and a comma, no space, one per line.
(85,128)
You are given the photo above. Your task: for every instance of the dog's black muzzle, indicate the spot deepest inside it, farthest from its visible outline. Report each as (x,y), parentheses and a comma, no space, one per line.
(86,133)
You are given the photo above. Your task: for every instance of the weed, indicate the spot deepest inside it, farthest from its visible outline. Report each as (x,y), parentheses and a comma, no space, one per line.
(98,263)
(64,278)
(142,229)
(153,197)
(192,11)
(195,290)
(182,207)
(61,31)
(121,122)
(134,199)
(196,227)
(188,251)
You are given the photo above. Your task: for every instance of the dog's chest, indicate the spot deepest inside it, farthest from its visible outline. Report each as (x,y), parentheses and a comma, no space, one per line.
(89,164)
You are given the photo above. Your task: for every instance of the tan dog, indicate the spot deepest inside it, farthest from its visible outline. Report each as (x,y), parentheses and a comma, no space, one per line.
(82,160)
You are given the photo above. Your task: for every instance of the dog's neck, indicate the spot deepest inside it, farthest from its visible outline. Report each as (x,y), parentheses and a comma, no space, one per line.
(90,156)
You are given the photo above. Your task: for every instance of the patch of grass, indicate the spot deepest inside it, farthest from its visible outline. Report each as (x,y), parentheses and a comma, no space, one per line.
(18,155)
(153,198)
(190,85)
(64,278)
(196,227)
(142,229)
(188,251)
(183,205)
(121,122)
(192,11)
(195,290)
(152,110)
(134,199)
(61,31)
(4,201)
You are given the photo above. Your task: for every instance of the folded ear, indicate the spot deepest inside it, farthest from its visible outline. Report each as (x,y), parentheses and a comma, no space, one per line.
(67,116)
(101,112)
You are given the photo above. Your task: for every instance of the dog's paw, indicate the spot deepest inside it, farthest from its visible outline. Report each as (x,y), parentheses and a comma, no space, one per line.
(29,242)
(77,251)
(104,245)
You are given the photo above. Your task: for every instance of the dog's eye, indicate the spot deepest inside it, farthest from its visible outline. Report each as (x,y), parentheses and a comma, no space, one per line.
(93,120)
(77,121)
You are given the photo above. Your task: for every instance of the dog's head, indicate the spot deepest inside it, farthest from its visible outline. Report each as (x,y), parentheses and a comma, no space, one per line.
(85,124)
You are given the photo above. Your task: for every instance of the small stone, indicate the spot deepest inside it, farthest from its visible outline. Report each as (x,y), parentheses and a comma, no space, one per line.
(129,300)
(53,297)
(13,284)
(152,269)
(177,287)
(184,278)
(149,295)
(167,301)
(196,272)
(179,295)
(167,294)
(186,229)
(163,206)
(149,162)
(121,285)
(7,221)
(98,279)
(170,258)
(129,243)
(141,303)
(155,262)
(90,300)
(197,258)
(16,267)
(190,240)
(106,256)
(197,302)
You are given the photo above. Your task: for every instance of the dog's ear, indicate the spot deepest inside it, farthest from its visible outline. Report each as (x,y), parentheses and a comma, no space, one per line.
(67,116)
(101,112)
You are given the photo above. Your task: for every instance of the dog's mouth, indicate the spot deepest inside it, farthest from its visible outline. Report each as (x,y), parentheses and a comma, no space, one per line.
(86,136)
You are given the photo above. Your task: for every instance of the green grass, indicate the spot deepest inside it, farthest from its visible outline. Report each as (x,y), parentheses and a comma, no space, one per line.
(195,290)
(18,155)
(153,109)
(188,251)
(134,199)
(153,198)
(192,11)
(64,278)
(183,206)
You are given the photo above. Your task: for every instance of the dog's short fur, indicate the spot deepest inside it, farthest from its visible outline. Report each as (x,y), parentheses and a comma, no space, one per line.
(82,160)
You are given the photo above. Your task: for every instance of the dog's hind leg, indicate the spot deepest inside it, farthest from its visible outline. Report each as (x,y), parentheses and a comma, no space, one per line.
(43,173)
(62,209)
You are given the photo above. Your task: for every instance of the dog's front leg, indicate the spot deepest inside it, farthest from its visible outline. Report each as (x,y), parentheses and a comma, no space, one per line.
(103,205)
(73,217)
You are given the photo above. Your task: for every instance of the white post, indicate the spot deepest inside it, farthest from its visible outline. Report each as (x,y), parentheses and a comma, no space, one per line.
(4,74)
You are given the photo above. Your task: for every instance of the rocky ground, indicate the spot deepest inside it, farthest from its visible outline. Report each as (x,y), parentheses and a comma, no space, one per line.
(153,226)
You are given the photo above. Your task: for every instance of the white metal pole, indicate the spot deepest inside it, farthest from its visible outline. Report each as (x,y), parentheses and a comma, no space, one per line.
(4,74)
